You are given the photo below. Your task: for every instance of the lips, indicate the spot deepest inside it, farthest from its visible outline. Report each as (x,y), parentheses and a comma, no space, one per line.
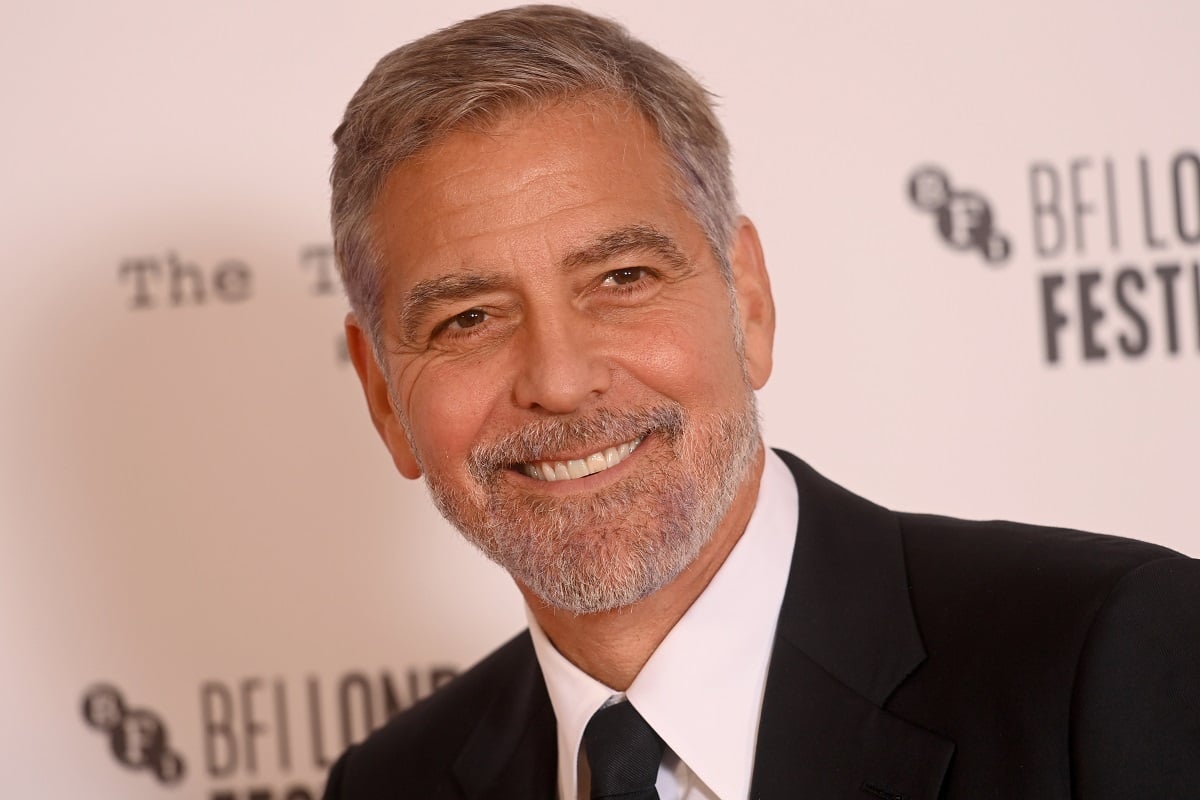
(571,469)
(556,448)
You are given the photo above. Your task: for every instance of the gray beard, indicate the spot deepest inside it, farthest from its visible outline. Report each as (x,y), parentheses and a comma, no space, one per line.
(606,550)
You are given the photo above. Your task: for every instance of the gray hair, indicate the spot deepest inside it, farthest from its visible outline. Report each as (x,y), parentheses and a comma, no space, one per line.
(474,72)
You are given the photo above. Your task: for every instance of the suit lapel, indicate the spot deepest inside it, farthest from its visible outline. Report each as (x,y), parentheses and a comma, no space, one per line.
(513,751)
(846,639)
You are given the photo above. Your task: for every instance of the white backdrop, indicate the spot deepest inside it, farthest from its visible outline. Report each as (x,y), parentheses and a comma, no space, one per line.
(194,508)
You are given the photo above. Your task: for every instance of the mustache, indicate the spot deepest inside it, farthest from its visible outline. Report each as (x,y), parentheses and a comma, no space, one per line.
(550,437)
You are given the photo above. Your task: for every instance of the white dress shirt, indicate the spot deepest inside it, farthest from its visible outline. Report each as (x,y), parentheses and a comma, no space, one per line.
(702,688)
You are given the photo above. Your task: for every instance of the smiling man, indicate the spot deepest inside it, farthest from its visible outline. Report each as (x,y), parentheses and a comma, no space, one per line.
(559,321)
(563,362)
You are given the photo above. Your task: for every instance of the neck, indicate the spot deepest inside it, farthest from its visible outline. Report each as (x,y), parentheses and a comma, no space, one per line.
(613,646)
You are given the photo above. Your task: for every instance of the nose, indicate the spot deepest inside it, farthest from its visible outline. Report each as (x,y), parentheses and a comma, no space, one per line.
(560,364)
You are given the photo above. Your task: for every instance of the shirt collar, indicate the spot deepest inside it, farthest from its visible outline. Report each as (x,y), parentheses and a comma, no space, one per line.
(702,688)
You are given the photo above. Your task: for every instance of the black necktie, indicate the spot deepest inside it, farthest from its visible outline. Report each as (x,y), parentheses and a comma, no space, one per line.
(623,752)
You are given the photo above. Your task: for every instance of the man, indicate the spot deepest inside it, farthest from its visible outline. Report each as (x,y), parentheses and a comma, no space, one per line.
(559,320)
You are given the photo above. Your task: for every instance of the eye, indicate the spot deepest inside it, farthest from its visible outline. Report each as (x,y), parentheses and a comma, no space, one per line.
(624,277)
(467,319)
(470,318)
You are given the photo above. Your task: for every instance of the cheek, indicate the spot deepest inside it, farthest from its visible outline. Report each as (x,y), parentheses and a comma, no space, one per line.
(447,410)
(687,360)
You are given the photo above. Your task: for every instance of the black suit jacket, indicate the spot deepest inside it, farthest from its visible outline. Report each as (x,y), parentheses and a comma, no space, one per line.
(916,657)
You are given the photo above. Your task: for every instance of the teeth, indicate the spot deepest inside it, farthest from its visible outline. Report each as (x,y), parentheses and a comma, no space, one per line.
(612,457)
(580,467)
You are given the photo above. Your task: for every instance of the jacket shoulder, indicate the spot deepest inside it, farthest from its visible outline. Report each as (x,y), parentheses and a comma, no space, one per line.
(416,750)
(1136,697)
(996,581)
(1072,644)
(1021,556)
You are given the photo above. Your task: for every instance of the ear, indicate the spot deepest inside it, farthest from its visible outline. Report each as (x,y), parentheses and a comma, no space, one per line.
(756,308)
(379,402)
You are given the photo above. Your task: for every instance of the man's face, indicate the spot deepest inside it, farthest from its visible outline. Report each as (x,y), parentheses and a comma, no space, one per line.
(562,358)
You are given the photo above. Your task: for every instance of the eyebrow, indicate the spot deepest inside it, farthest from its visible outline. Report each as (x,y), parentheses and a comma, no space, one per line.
(430,293)
(444,289)
(632,238)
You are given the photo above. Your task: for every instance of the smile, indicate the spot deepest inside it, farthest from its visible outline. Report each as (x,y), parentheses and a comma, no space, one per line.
(579,467)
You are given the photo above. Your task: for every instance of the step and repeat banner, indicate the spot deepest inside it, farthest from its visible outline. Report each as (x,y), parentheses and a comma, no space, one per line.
(983,228)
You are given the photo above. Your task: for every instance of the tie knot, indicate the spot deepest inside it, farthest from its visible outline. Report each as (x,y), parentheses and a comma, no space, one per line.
(623,752)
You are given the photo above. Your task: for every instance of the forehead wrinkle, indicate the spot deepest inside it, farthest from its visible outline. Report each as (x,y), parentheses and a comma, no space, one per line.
(630,238)
(430,293)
